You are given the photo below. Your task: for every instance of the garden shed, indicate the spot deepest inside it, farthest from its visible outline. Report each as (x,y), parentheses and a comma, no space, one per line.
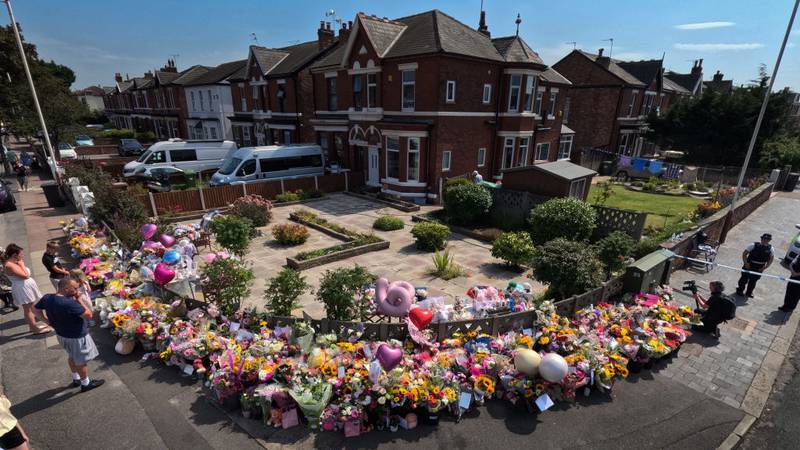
(553,179)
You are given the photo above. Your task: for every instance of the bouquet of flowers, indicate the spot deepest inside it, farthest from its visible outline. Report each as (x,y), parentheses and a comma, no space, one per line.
(312,399)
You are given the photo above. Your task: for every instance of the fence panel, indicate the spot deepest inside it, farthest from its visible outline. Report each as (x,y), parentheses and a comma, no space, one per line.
(177,201)
(613,219)
(221,196)
(293,184)
(355,180)
(266,189)
(510,208)
(332,183)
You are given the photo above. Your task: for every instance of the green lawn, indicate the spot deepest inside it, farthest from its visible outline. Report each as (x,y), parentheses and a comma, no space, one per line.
(661,208)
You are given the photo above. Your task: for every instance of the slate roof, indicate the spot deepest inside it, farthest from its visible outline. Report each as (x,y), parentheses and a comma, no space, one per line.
(299,56)
(687,80)
(91,90)
(552,76)
(382,32)
(217,74)
(188,75)
(124,85)
(723,86)
(108,89)
(166,77)
(645,71)
(514,49)
(267,58)
(334,58)
(672,86)
(615,69)
(565,169)
(141,82)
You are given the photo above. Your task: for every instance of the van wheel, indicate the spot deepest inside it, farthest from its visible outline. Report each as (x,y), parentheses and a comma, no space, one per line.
(622,176)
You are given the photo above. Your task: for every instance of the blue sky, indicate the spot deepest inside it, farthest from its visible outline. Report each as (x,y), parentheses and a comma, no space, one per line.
(97,38)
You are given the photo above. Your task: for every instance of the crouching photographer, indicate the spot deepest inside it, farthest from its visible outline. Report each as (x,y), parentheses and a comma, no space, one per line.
(716,309)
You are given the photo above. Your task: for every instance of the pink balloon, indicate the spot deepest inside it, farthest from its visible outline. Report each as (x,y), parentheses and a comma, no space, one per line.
(388,357)
(163,274)
(149,245)
(148,230)
(166,240)
(394,299)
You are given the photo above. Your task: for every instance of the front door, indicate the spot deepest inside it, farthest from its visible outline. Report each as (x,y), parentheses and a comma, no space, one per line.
(372,164)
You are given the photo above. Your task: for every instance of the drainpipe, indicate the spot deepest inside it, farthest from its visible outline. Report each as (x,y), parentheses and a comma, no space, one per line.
(616,114)
(297,105)
(497,104)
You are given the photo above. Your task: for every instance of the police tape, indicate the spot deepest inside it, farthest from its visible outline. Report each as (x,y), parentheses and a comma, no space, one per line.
(713,264)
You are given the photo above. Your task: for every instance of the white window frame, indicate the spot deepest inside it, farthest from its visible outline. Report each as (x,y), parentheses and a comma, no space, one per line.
(622,145)
(191,95)
(413,85)
(212,132)
(255,97)
(487,93)
(408,158)
(567,106)
(389,148)
(202,103)
(632,106)
(446,157)
(539,147)
(577,188)
(551,107)
(512,88)
(537,106)
(333,96)
(508,144)
(566,140)
(370,100)
(524,143)
(649,98)
(246,136)
(481,157)
(210,101)
(450,91)
(530,88)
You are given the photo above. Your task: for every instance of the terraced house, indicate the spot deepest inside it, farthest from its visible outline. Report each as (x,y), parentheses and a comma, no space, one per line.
(412,101)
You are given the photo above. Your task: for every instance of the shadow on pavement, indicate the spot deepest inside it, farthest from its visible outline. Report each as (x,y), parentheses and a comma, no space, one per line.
(43,401)
(777,318)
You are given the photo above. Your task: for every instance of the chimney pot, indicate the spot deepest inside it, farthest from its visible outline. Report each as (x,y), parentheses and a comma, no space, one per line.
(600,53)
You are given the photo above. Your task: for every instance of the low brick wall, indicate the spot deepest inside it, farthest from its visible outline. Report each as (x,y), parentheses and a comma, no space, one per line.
(338,256)
(87,150)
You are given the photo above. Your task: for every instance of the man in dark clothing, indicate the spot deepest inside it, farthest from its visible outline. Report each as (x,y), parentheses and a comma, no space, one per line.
(66,313)
(53,265)
(757,257)
(717,309)
(792,289)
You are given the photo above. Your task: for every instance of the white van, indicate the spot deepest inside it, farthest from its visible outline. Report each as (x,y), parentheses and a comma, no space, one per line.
(249,164)
(196,156)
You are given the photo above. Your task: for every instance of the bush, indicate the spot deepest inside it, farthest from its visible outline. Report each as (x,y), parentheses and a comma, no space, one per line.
(516,249)
(651,185)
(124,133)
(225,283)
(145,136)
(342,292)
(233,233)
(388,223)
(430,236)
(465,202)
(282,292)
(287,197)
(569,267)
(453,182)
(290,233)
(445,268)
(614,249)
(567,218)
(305,195)
(253,207)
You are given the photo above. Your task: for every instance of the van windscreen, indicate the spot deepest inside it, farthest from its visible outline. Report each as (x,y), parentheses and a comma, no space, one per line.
(229,166)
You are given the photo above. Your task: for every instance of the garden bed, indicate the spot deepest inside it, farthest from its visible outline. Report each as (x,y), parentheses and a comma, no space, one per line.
(391,202)
(488,234)
(355,243)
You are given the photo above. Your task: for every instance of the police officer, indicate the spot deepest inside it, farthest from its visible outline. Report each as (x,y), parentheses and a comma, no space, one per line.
(756,257)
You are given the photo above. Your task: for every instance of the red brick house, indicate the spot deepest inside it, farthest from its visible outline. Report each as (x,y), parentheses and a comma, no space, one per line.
(412,101)
(611,99)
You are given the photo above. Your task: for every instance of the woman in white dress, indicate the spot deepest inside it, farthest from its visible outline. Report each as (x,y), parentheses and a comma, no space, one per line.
(24,289)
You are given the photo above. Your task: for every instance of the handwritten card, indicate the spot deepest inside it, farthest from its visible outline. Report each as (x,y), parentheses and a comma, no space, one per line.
(234,326)
(341,372)
(544,402)
(188,369)
(464,400)
(527,332)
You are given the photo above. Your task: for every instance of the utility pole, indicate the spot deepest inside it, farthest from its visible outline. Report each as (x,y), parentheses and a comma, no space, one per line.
(49,147)
(729,217)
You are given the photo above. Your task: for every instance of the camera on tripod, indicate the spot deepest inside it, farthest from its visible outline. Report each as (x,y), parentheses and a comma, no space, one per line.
(690,286)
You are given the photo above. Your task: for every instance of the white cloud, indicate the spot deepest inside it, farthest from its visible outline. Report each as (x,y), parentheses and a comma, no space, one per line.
(704,25)
(718,47)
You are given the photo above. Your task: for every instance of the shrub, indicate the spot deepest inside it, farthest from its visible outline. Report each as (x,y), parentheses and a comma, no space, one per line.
(226,282)
(465,202)
(282,292)
(569,267)
(290,233)
(287,197)
(604,191)
(567,218)
(253,207)
(233,233)
(614,249)
(342,292)
(651,185)
(145,136)
(445,268)
(124,133)
(453,182)
(516,249)
(430,236)
(305,195)
(388,223)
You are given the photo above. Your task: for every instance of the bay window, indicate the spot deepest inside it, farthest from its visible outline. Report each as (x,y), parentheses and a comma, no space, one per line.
(409,81)
(542,151)
(632,106)
(508,153)
(393,157)
(413,159)
(523,151)
(513,93)
(529,85)
(551,109)
(537,107)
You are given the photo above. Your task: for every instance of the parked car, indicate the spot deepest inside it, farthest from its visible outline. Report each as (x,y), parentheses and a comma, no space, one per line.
(66,151)
(94,126)
(794,247)
(629,172)
(250,164)
(7,201)
(164,179)
(195,156)
(128,147)
(82,139)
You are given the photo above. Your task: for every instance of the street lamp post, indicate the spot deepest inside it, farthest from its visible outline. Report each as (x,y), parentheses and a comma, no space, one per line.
(729,217)
(33,90)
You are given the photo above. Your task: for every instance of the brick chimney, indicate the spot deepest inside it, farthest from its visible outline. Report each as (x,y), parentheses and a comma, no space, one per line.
(170,67)
(118,77)
(604,60)
(148,75)
(324,34)
(718,77)
(344,32)
(482,28)
(698,67)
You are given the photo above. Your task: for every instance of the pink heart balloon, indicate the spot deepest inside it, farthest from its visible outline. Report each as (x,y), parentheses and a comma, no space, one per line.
(388,357)
(148,230)
(163,274)
(394,299)
(166,240)
(149,245)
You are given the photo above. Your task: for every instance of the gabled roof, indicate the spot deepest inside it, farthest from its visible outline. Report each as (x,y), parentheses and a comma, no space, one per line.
(188,75)
(267,58)
(688,81)
(552,76)
(109,89)
(91,90)
(671,86)
(166,77)
(124,85)
(614,68)
(217,74)
(332,59)
(299,56)
(141,82)
(514,49)
(382,32)
(645,71)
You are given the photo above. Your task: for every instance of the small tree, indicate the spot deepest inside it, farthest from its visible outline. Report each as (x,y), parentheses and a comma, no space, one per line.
(780,152)
(342,292)
(466,202)
(567,218)
(253,207)
(569,267)
(613,249)
(516,249)
(282,292)
(430,236)
(233,233)
(604,191)
(226,282)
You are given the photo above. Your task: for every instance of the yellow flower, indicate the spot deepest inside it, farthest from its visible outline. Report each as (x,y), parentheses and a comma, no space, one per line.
(544,340)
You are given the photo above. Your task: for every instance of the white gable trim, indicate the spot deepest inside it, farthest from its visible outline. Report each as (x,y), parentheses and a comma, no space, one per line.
(394,41)
(351,40)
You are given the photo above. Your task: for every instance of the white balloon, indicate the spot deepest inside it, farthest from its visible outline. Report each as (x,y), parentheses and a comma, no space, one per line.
(527,361)
(553,367)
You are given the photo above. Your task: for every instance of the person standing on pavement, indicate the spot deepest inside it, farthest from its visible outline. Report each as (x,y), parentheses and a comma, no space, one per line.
(757,257)
(792,289)
(53,265)
(69,315)
(22,176)
(84,290)
(12,436)
(24,289)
